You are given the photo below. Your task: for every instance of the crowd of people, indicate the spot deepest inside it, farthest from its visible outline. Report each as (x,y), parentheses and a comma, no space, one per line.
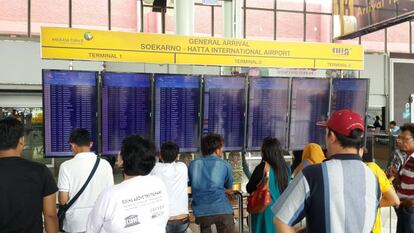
(334,190)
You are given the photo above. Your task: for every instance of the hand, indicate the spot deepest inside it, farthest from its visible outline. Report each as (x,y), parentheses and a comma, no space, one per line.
(230,195)
(407,202)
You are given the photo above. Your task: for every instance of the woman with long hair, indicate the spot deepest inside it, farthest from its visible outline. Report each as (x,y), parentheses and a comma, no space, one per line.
(279,177)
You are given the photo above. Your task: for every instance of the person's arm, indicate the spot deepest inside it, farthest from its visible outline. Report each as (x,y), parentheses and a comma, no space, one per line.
(390,198)
(256,177)
(281,227)
(298,169)
(63,197)
(49,213)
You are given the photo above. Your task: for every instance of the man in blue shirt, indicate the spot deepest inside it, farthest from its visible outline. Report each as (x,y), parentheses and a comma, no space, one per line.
(211,179)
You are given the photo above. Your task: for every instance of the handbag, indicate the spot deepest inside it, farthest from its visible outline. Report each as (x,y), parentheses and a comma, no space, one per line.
(61,214)
(260,199)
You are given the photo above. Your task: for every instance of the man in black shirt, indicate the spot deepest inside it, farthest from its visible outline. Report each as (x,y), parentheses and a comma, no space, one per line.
(27,189)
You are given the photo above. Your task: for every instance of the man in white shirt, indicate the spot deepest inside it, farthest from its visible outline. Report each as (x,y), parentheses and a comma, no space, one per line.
(72,176)
(175,177)
(139,204)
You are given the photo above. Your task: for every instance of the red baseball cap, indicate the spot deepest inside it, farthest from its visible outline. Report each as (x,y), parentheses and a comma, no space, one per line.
(344,121)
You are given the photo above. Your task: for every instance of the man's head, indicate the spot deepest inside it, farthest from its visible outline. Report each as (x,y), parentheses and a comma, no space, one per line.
(137,156)
(392,124)
(345,132)
(80,140)
(11,136)
(405,140)
(169,152)
(212,144)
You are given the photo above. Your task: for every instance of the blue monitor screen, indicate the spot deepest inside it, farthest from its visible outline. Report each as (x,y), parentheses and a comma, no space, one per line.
(349,94)
(309,104)
(268,109)
(177,100)
(70,101)
(126,108)
(224,107)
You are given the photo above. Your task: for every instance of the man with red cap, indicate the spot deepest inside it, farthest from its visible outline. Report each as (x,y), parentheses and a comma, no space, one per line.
(339,195)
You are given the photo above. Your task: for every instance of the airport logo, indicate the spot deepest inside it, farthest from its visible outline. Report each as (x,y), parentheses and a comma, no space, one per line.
(341,51)
(131,220)
(88,36)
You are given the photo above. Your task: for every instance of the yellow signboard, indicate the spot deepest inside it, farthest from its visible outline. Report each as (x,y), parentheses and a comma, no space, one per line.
(82,44)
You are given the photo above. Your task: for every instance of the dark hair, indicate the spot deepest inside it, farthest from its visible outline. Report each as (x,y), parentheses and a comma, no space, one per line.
(169,152)
(210,143)
(408,127)
(11,130)
(393,123)
(80,137)
(272,153)
(353,140)
(138,155)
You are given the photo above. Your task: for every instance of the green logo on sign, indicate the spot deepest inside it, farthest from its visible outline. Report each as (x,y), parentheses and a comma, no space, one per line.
(87,36)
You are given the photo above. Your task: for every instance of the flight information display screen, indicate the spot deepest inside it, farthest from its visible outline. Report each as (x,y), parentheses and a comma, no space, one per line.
(224,107)
(268,110)
(349,94)
(309,104)
(70,101)
(177,101)
(126,108)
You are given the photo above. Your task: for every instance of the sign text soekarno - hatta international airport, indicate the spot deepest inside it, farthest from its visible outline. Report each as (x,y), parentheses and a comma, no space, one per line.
(94,45)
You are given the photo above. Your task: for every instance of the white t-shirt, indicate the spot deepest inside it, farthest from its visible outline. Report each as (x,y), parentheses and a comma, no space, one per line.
(175,177)
(139,204)
(72,175)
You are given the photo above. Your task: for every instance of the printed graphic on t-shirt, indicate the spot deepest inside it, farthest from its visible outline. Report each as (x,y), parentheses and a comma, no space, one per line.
(153,202)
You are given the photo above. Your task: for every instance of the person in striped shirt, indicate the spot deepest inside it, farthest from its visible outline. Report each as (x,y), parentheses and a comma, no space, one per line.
(341,194)
(405,189)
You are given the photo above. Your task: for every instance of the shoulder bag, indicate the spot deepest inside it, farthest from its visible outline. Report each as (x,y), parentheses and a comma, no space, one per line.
(260,199)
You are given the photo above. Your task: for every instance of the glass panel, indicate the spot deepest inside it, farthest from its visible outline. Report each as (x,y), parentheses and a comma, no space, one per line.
(202,20)
(124,15)
(91,14)
(13,17)
(268,4)
(398,38)
(32,118)
(218,22)
(262,28)
(318,28)
(374,42)
(296,5)
(323,6)
(152,21)
(169,21)
(289,26)
(49,13)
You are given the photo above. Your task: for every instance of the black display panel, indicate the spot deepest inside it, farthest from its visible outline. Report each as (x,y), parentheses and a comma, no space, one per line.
(177,100)
(349,94)
(309,104)
(70,101)
(268,110)
(224,107)
(126,108)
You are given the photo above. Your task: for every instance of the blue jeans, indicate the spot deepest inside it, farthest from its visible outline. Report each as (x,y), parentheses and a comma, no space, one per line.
(177,226)
(405,223)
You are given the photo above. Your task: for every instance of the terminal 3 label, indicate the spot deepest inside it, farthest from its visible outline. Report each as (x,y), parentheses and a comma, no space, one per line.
(94,45)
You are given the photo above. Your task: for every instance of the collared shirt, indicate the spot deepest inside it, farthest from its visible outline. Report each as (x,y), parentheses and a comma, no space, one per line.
(209,177)
(406,189)
(72,176)
(175,177)
(339,195)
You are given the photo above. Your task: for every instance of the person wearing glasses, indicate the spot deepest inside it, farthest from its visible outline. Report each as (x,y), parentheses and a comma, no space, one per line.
(404,177)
